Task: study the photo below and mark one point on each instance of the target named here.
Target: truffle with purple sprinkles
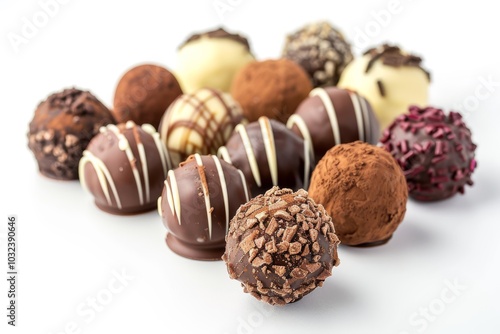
(435, 151)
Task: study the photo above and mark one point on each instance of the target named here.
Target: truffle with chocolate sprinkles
(434, 150)
(281, 246)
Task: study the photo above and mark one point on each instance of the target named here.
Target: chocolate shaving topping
(391, 55)
(218, 33)
(381, 88)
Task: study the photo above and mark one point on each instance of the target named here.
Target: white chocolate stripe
(103, 175)
(250, 154)
(366, 118)
(223, 153)
(124, 145)
(244, 182)
(223, 186)
(173, 195)
(307, 165)
(162, 151)
(270, 148)
(359, 116)
(206, 194)
(304, 131)
(144, 164)
(330, 109)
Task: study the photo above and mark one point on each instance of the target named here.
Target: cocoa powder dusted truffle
(124, 167)
(435, 151)
(144, 93)
(321, 50)
(281, 246)
(199, 122)
(61, 129)
(363, 189)
(269, 155)
(272, 88)
(331, 116)
(198, 200)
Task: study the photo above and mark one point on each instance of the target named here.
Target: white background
(69, 251)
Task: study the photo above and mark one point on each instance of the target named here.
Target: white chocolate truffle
(211, 60)
(390, 79)
(199, 122)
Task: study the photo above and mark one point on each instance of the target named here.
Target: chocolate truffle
(144, 93)
(321, 50)
(211, 59)
(199, 122)
(390, 79)
(269, 154)
(61, 129)
(124, 167)
(272, 88)
(281, 246)
(434, 150)
(198, 200)
(363, 189)
(331, 116)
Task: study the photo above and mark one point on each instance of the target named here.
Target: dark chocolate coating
(348, 118)
(295, 162)
(144, 93)
(127, 162)
(434, 150)
(196, 206)
(281, 246)
(61, 129)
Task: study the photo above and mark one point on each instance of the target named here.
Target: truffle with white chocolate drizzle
(124, 167)
(269, 154)
(199, 199)
(332, 116)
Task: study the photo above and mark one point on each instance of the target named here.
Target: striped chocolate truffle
(269, 154)
(199, 199)
(124, 167)
(332, 116)
(199, 122)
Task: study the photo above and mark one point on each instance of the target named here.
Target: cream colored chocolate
(199, 122)
(389, 88)
(210, 62)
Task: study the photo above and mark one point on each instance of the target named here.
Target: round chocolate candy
(144, 93)
(198, 200)
(321, 50)
(199, 122)
(61, 129)
(269, 154)
(281, 246)
(332, 116)
(124, 167)
(435, 151)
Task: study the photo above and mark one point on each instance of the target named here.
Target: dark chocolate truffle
(199, 122)
(434, 150)
(61, 129)
(144, 93)
(363, 189)
(272, 88)
(332, 116)
(269, 154)
(124, 167)
(198, 200)
(281, 246)
(321, 50)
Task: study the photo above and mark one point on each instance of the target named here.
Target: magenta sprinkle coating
(434, 150)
